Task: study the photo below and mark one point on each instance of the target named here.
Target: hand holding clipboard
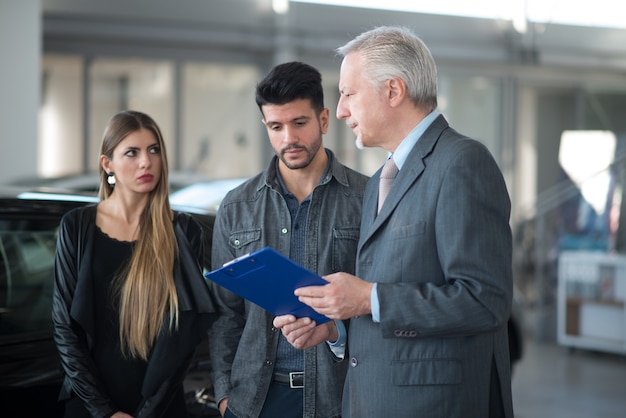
(268, 279)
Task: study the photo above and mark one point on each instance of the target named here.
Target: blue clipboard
(268, 279)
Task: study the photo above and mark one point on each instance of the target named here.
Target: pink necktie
(390, 170)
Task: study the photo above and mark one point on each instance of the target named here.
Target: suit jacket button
(354, 362)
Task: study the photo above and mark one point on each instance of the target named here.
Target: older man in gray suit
(432, 293)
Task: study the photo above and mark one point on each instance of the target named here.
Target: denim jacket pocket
(346, 232)
(241, 239)
(345, 241)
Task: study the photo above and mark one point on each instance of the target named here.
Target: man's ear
(324, 119)
(396, 90)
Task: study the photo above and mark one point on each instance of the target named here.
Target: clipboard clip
(234, 260)
(241, 266)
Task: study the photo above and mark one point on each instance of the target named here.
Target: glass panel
(26, 275)
(60, 149)
(472, 104)
(557, 213)
(137, 84)
(222, 130)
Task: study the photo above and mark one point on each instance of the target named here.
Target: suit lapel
(412, 169)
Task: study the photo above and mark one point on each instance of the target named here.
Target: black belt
(295, 380)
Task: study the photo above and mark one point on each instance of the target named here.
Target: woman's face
(136, 162)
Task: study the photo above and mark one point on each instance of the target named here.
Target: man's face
(295, 131)
(360, 104)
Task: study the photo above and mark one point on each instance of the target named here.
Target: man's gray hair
(388, 52)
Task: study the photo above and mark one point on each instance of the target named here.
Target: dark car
(30, 374)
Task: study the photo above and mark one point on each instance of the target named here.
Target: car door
(30, 374)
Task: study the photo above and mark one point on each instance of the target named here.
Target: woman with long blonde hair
(130, 302)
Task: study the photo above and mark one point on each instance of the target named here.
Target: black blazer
(73, 316)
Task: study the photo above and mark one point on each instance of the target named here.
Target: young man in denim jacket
(307, 206)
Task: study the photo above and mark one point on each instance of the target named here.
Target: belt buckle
(292, 380)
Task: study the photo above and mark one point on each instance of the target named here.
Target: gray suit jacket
(440, 251)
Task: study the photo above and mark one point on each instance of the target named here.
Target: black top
(75, 323)
(122, 377)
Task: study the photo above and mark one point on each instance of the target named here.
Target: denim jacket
(243, 341)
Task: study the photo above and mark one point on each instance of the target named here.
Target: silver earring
(111, 179)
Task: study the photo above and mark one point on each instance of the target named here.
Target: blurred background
(541, 82)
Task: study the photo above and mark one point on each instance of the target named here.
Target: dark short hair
(291, 81)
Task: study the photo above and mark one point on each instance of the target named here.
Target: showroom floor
(553, 381)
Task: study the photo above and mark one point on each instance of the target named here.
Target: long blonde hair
(146, 289)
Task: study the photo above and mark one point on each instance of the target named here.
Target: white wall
(20, 85)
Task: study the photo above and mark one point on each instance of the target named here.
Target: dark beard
(300, 165)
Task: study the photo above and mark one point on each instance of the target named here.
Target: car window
(26, 275)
